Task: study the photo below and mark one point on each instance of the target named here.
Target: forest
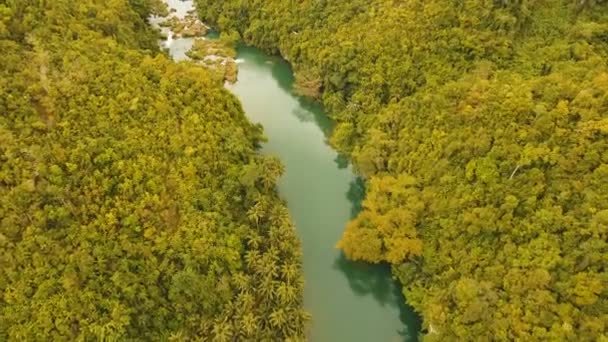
(134, 205)
(481, 128)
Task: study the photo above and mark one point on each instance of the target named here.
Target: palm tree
(177, 336)
(252, 259)
(278, 318)
(241, 281)
(249, 324)
(286, 293)
(276, 235)
(245, 299)
(222, 331)
(266, 288)
(268, 265)
(254, 214)
(289, 271)
(272, 255)
(254, 240)
(280, 216)
(272, 170)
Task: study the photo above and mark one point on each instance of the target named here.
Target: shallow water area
(177, 46)
(181, 7)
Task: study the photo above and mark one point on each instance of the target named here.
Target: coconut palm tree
(241, 281)
(286, 293)
(252, 259)
(249, 325)
(222, 331)
(254, 240)
(289, 271)
(266, 288)
(278, 318)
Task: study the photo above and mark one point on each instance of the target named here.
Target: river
(350, 302)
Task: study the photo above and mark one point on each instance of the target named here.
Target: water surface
(177, 47)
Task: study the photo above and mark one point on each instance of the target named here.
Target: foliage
(307, 85)
(481, 127)
(133, 202)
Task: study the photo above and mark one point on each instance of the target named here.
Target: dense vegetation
(133, 204)
(482, 129)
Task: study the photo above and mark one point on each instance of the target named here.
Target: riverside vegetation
(133, 202)
(482, 130)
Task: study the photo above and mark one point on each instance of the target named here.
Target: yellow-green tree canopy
(481, 127)
(127, 187)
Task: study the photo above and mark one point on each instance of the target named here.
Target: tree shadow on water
(342, 161)
(355, 195)
(375, 280)
(367, 279)
(412, 324)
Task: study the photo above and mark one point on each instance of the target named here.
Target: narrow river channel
(349, 302)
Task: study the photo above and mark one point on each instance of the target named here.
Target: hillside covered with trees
(133, 203)
(482, 130)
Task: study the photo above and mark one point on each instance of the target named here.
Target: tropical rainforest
(481, 128)
(134, 205)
